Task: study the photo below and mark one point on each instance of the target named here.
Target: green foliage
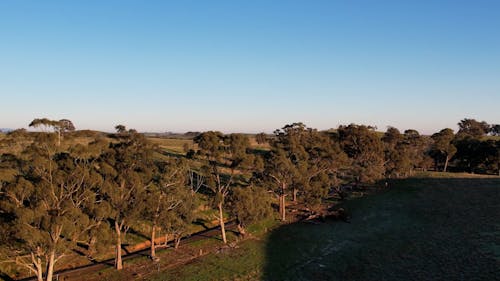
(366, 151)
(250, 204)
(230, 151)
(443, 149)
(473, 128)
(477, 156)
(47, 203)
(126, 168)
(85, 194)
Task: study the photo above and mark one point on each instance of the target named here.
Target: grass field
(421, 229)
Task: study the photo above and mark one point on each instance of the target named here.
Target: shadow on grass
(4, 276)
(418, 229)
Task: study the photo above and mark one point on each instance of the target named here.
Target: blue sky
(249, 66)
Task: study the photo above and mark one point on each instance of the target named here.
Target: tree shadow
(202, 223)
(415, 229)
(6, 277)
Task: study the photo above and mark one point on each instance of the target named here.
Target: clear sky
(249, 66)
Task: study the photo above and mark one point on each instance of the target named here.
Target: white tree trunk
(118, 257)
(50, 265)
(153, 246)
(221, 222)
(446, 163)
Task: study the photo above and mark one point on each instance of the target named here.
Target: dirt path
(80, 273)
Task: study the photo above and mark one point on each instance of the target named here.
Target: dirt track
(79, 273)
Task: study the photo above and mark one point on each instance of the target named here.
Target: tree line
(58, 194)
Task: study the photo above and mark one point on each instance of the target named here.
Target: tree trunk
(38, 265)
(153, 246)
(91, 250)
(221, 222)
(282, 207)
(295, 191)
(50, 265)
(118, 257)
(282, 201)
(166, 239)
(241, 230)
(446, 163)
(177, 241)
(58, 138)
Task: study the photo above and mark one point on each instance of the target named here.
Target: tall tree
(397, 153)
(46, 201)
(280, 171)
(126, 169)
(418, 148)
(473, 128)
(218, 151)
(320, 171)
(249, 204)
(365, 149)
(443, 147)
(291, 139)
(167, 193)
(60, 127)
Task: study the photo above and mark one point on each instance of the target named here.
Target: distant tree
(120, 129)
(397, 153)
(495, 130)
(366, 151)
(418, 148)
(186, 148)
(477, 156)
(473, 128)
(66, 125)
(261, 138)
(443, 147)
(60, 127)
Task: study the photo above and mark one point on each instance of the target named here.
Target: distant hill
(5, 130)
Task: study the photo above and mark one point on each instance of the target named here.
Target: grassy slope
(421, 229)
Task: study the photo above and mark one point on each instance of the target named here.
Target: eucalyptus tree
(397, 153)
(224, 155)
(167, 193)
(280, 171)
(59, 126)
(291, 140)
(443, 147)
(302, 160)
(473, 128)
(365, 149)
(121, 129)
(322, 167)
(126, 168)
(45, 201)
(249, 204)
(418, 147)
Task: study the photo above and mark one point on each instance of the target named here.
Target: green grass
(172, 145)
(427, 228)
